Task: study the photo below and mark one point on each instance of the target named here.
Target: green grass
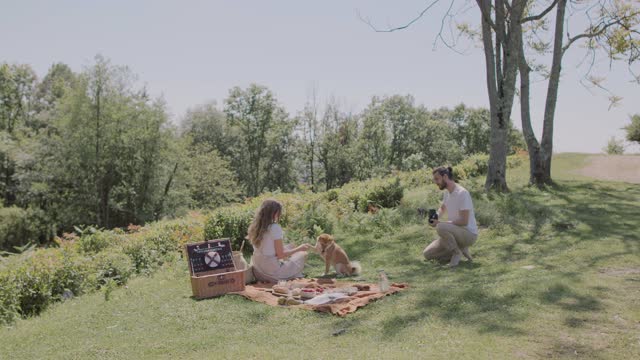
(556, 275)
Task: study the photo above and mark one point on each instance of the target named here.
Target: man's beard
(442, 186)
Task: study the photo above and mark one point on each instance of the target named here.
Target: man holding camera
(460, 231)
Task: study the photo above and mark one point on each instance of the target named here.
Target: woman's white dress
(267, 267)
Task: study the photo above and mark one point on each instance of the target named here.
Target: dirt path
(613, 167)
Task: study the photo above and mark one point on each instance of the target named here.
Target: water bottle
(383, 283)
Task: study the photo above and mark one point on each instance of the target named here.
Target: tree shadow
(574, 210)
(471, 306)
(563, 296)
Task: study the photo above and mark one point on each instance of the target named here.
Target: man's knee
(431, 252)
(428, 253)
(444, 228)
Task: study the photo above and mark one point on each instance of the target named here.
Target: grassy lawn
(556, 275)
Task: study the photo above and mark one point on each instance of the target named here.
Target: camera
(433, 215)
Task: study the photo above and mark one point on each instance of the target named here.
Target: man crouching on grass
(460, 231)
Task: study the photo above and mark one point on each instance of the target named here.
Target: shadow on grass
(471, 306)
(542, 223)
(555, 218)
(568, 299)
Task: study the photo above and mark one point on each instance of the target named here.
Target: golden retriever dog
(335, 256)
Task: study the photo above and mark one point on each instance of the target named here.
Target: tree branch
(366, 21)
(541, 15)
(486, 16)
(598, 30)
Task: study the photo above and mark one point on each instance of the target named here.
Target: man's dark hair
(444, 171)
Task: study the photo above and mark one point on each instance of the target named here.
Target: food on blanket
(292, 301)
(282, 301)
(308, 293)
(296, 292)
(280, 289)
(347, 290)
(315, 287)
(362, 287)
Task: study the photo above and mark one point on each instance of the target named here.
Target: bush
(34, 282)
(332, 195)
(14, 228)
(514, 161)
(614, 147)
(377, 224)
(160, 242)
(415, 178)
(473, 166)
(112, 266)
(314, 219)
(19, 227)
(9, 301)
(229, 222)
(385, 193)
(94, 242)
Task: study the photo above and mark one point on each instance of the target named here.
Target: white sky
(190, 52)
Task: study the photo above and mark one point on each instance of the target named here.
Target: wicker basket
(217, 284)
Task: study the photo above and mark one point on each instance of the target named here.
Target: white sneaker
(455, 259)
(466, 253)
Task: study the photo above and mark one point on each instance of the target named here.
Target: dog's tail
(356, 268)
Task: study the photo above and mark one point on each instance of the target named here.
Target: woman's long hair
(261, 221)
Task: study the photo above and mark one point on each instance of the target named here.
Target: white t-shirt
(460, 199)
(273, 233)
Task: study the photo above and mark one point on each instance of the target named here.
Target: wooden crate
(217, 279)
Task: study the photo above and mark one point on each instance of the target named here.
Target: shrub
(386, 193)
(473, 166)
(229, 222)
(9, 301)
(112, 266)
(14, 227)
(614, 147)
(94, 242)
(314, 219)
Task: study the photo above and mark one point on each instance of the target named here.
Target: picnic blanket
(341, 307)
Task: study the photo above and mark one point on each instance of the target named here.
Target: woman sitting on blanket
(272, 260)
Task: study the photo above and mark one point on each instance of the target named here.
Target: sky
(192, 52)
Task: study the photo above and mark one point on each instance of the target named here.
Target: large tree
(611, 29)
(111, 158)
(611, 26)
(16, 102)
(255, 113)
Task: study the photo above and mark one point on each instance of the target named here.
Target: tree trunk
(160, 207)
(313, 185)
(539, 172)
(502, 65)
(540, 154)
(99, 180)
(552, 95)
